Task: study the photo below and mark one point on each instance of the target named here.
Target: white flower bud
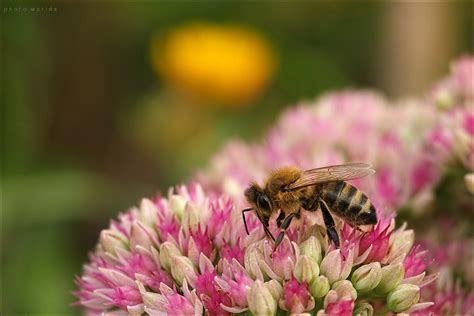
(275, 288)
(312, 248)
(319, 287)
(403, 297)
(306, 269)
(177, 204)
(111, 239)
(335, 267)
(251, 261)
(167, 251)
(392, 275)
(148, 213)
(182, 268)
(142, 236)
(367, 277)
(190, 217)
(363, 309)
(345, 290)
(260, 300)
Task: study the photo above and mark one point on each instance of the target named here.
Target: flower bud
(136, 310)
(251, 261)
(149, 298)
(319, 287)
(142, 236)
(306, 269)
(275, 288)
(469, 181)
(111, 238)
(335, 267)
(392, 275)
(182, 268)
(363, 309)
(260, 300)
(148, 213)
(116, 277)
(402, 237)
(190, 217)
(403, 297)
(312, 248)
(167, 251)
(401, 242)
(367, 277)
(177, 204)
(345, 290)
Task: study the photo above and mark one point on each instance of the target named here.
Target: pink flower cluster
(340, 127)
(188, 253)
(453, 136)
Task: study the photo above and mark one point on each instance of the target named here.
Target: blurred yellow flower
(229, 65)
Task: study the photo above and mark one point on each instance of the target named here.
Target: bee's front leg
(284, 226)
(280, 218)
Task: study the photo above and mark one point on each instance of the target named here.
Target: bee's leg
(329, 222)
(280, 218)
(268, 232)
(286, 223)
(244, 219)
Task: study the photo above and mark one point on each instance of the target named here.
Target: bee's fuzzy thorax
(281, 178)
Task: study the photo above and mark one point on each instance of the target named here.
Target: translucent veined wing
(343, 172)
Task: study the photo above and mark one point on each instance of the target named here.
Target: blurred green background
(90, 124)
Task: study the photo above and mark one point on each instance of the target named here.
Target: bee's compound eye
(263, 202)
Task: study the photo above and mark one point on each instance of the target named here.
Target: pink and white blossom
(210, 265)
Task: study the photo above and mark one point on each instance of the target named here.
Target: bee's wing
(332, 173)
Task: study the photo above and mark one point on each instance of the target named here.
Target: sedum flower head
(452, 138)
(188, 252)
(343, 135)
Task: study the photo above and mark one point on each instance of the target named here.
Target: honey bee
(291, 190)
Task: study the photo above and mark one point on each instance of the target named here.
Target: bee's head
(260, 201)
(262, 205)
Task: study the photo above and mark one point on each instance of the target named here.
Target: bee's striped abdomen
(349, 203)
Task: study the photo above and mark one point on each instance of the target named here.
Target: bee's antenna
(243, 217)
